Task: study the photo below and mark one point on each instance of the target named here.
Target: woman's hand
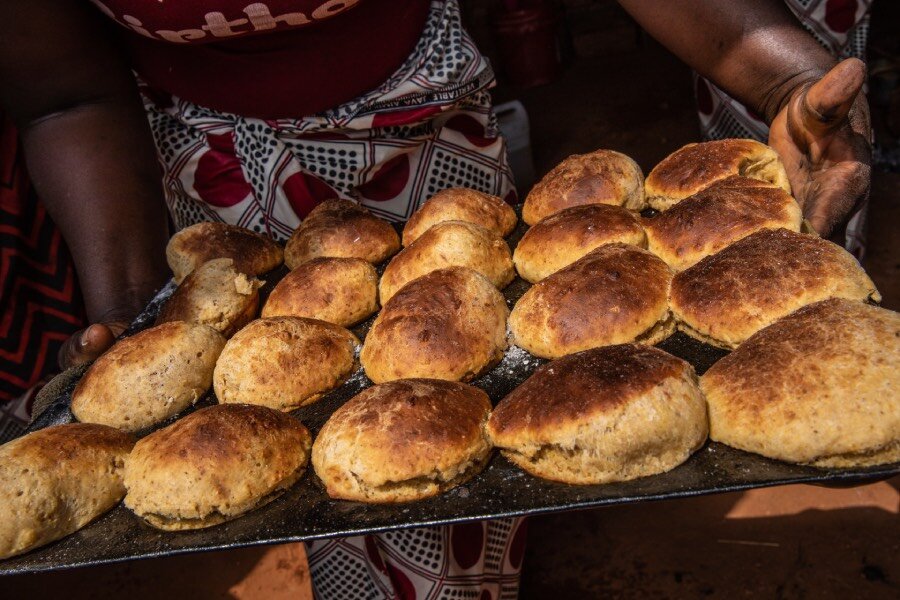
(823, 136)
(89, 343)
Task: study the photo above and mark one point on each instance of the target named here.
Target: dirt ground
(788, 542)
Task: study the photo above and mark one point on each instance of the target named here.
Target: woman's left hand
(823, 136)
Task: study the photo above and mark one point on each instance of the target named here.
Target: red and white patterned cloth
(842, 27)
(427, 128)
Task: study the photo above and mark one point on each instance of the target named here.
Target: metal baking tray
(305, 512)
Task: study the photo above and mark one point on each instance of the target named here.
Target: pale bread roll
(564, 237)
(599, 177)
(284, 362)
(697, 166)
(449, 244)
(817, 387)
(214, 294)
(602, 415)
(727, 297)
(342, 229)
(56, 481)
(343, 291)
(403, 440)
(721, 214)
(251, 252)
(461, 204)
(613, 295)
(449, 324)
(215, 465)
(148, 377)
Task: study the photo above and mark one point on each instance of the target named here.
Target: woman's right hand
(86, 345)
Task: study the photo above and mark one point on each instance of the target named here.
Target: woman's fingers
(826, 103)
(89, 343)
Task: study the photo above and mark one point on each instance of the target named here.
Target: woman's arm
(756, 51)
(89, 153)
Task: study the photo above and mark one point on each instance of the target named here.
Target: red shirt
(272, 59)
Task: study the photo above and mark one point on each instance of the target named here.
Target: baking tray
(305, 512)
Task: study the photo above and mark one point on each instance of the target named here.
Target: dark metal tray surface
(305, 512)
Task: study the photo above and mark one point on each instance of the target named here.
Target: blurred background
(575, 76)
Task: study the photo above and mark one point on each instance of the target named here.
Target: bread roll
(214, 465)
(564, 237)
(449, 244)
(818, 387)
(461, 204)
(148, 377)
(56, 481)
(342, 229)
(727, 297)
(697, 166)
(600, 177)
(720, 215)
(402, 441)
(449, 324)
(284, 362)
(613, 295)
(343, 291)
(214, 294)
(252, 253)
(602, 415)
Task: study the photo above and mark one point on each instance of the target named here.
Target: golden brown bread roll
(697, 166)
(818, 387)
(599, 177)
(215, 465)
(449, 324)
(251, 252)
(564, 237)
(727, 297)
(615, 294)
(214, 294)
(342, 229)
(343, 291)
(148, 377)
(461, 204)
(403, 440)
(449, 244)
(56, 481)
(721, 214)
(284, 362)
(602, 415)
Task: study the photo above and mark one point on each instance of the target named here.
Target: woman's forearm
(753, 49)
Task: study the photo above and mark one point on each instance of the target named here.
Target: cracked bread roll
(343, 291)
(819, 387)
(599, 177)
(403, 440)
(602, 415)
(613, 295)
(214, 294)
(342, 229)
(564, 237)
(284, 362)
(148, 377)
(215, 465)
(252, 253)
(697, 166)
(449, 324)
(449, 244)
(722, 214)
(57, 480)
(461, 204)
(727, 297)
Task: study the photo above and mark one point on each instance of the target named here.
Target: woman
(257, 111)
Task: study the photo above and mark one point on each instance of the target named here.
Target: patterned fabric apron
(428, 127)
(842, 27)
